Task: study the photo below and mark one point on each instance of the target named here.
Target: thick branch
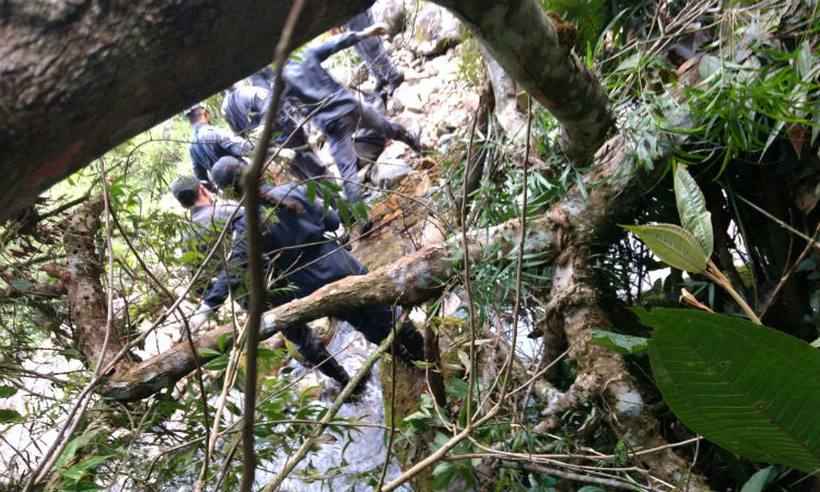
(86, 296)
(536, 52)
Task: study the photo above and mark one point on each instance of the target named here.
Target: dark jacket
(295, 246)
(244, 107)
(310, 84)
(209, 143)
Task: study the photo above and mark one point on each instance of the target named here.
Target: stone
(387, 174)
(436, 30)
(391, 12)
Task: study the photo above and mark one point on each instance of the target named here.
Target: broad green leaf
(623, 344)
(207, 353)
(223, 342)
(217, 364)
(673, 245)
(78, 471)
(75, 445)
(7, 391)
(759, 481)
(750, 389)
(8, 416)
(692, 210)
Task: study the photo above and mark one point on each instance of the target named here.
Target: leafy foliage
(748, 388)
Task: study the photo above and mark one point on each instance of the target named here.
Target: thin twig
(773, 296)
(467, 285)
(812, 242)
(255, 267)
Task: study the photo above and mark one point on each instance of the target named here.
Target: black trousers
(371, 50)
(343, 149)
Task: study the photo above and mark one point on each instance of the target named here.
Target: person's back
(298, 244)
(310, 84)
(209, 143)
(244, 107)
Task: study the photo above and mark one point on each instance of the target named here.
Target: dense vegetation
(718, 107)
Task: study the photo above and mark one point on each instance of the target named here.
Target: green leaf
(78, 471)
(217, 364)
(7, 391)
(443, 474)
(207, 353)
(591, 488)
(223, 341)
(673, 245)
(623, 344)
(75, 445)
(692, 210)
(8, 416)
(759, 481)
(750, 389)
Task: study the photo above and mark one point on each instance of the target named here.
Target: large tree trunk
(77, 78)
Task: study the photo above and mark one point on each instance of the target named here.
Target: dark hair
(227, 172)
(195, 113)
(185, 190)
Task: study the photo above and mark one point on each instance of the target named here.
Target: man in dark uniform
(372, 52)
(194, 196)
(209, 143)
(244, 108)
(340, 112)
(305, 260)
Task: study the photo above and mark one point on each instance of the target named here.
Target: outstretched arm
(344, 41)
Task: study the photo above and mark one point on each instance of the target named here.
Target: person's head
(196, 114)
(227, 174)
(263, 78)
(189, 191)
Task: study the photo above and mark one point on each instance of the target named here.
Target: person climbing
(244, 108)
(206, 214)
(209, 143)
(338, 113)
(305, 260)
(375, 57)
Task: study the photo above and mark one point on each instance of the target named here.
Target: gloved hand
(200, 317)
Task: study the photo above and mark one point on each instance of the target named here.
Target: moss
(470, 62)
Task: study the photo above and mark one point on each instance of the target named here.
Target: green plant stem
(714, 274)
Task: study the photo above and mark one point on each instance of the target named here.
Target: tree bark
(78, 78)
(536, 52)
(86, 296)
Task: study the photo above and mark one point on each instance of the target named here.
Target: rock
(387, 174)
(411, 97)
(436, 30)
(390, 12)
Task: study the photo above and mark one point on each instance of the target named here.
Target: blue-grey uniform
(209, 143)
(313, 351)
(371, 50)
(305, 260)
(337, 112)
(244, 108)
